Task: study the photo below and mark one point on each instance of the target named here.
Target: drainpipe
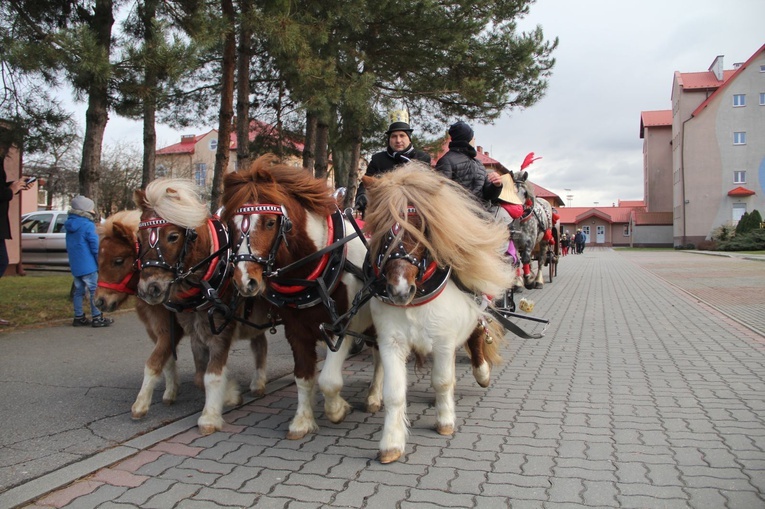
(682, 175)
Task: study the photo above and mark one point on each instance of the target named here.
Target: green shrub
(752, 241)
(723, 232)
(749, 222)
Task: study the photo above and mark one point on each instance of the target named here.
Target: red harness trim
(192, 292)
(123, 286)
(317, 272)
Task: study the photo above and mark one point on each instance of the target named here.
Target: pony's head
(172, 217)
(267, 208)
(117, 270)
(523, 187)
(437, 220)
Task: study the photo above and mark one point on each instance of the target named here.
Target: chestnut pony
(439, 255)
(183, 258)
(280, 215)
(117, 280)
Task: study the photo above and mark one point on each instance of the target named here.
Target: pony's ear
(139, 198)
(120, 230)
(369, 182)
(524, 176)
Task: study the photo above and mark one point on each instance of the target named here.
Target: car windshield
(36, 223)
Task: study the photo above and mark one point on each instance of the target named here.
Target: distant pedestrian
(7, 192)
(82, 248)
(564, 242)
(579, 239)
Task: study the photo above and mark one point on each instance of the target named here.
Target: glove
(361, 202)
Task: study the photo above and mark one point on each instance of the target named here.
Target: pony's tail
(491, 351)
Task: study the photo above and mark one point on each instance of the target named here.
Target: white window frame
(213, 144)
(200, 174)
(762, 98)
(739, 177)
(739, 138)
(737, 207)
(739, 100)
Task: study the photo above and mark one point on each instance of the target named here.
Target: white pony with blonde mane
(457, 233)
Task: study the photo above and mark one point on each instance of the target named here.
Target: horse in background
(183, 254)
(533, 233)
(440, 258)
(281, 216)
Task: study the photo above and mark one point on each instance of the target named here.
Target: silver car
(43, 238)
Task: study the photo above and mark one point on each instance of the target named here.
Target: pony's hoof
(137, 416)
(539, 286)
(296, 435)
(207, 429)
(374, 407)
(389, 456)
(339, 415)
(518, 289)
(445, 429)
(258, 393)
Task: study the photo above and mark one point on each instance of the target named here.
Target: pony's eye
(270, 223)
(173, 237)
(119, 261)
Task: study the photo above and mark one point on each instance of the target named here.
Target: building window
(626, 230)
(739, 138)
(762, 98)
(739, 100)
(200, 174)
(739, 177)
(214, 144)
(161, 171)
(762, 68)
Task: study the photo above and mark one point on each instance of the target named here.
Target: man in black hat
(399, 151)
(460, 165)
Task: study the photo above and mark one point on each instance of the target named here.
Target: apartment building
(717, 147)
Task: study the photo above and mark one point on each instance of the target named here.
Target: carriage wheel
(552, 264)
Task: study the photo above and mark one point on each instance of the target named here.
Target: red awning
(741, 191)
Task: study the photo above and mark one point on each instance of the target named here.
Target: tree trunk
(98, 104)
(353, 166)
(243, 90)
(322, 147)
(148, 14)
(309, 147)
(226, 104)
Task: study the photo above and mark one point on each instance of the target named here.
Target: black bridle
(285, 226)
(393, 249)
(154, 225)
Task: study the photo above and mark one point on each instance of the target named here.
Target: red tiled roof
(541, 192)
(631, 203)
(574, 215)
(701, 80)
(185, 146)
(658, 118)
(258, 128)
(741, 191)
(728, 77)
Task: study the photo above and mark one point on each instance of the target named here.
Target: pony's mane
(177, 202)
(455, 228)
(128, 218)
(267, 181)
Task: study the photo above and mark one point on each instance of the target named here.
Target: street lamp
(569, 196)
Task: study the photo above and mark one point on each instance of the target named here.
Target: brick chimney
(188, 138)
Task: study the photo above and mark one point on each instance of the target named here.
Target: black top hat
(399, 126)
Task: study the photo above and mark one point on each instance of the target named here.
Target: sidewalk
(641, 394)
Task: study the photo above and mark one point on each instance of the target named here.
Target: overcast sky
(615, 59)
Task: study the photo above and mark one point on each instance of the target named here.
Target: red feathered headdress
(529, 159)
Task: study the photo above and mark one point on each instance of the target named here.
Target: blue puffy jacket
(81, 244)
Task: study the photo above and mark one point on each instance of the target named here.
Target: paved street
(647, 391)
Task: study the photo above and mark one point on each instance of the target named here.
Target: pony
(439, 255)
(292, 248)
(118, 280)
(533, 233)
(183, 260)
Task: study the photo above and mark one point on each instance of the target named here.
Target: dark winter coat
(81, 243)
(383, 162)
(461, 166)
(6, 195)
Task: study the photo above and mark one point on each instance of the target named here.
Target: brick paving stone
(641, 394)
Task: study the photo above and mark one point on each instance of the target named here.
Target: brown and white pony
(181, 248)
(118, 280)
(279, 215)
(435, 250)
